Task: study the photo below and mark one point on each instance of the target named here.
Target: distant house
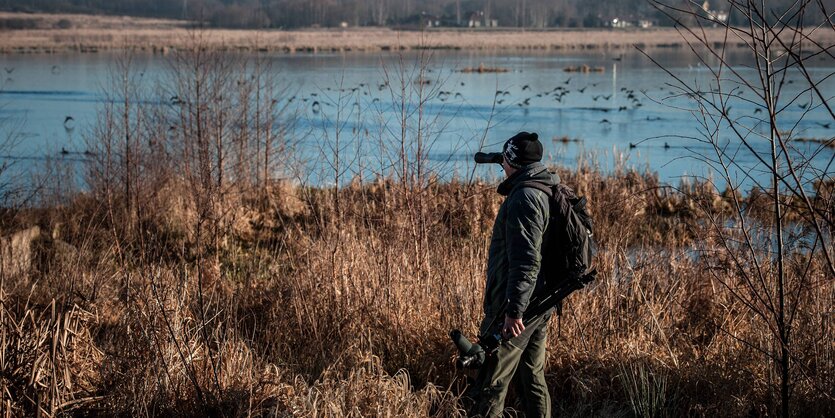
(477, 20)
(620, 23)
(420, 20)
(717, 16)
(429, 21)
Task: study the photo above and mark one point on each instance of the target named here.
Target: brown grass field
(99, 33)
(310, 310)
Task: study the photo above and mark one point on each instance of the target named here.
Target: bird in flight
(69, 123)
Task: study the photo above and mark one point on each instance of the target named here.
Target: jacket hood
(531, 172)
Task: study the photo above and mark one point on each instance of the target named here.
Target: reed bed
(98, 33)
(313, 310)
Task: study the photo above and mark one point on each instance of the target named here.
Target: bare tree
(773, 249)
(115, 146)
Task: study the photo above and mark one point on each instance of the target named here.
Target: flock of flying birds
(502, 97)
(559, 92)
(630, 99)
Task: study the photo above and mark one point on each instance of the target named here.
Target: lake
(625, 115)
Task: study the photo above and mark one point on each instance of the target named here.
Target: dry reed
(313, 313)
(98, 33)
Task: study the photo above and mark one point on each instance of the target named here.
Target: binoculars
(470, 355)
(489, 158)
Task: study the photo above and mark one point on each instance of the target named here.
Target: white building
(620, 23)
(715, 15)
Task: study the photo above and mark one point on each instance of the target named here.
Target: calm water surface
(626, 113)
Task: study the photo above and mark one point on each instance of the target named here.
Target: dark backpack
(568, 246)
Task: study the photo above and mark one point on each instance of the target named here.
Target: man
(513, 267)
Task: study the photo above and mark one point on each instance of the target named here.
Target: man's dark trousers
(523, 355)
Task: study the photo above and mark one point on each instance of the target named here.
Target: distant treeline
(395, 13)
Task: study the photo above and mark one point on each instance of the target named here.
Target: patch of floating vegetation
(584, 69)
(828, 142)
(566, 140)
(483, 69)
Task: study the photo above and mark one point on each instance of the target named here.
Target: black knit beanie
(522, 149)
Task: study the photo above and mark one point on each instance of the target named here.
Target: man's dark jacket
(514, 258)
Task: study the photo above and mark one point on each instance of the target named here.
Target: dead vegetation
(481, 69)
(309, 310)
(55, 33)
(828, 142)
(585, 68)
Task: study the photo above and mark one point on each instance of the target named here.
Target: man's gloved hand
(512, 327)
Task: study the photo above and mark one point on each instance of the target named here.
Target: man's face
(508, 170)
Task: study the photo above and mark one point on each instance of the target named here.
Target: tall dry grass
(314, 314)
(98, 33)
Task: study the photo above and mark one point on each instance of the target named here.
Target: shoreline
(328, 41)
(91, 34)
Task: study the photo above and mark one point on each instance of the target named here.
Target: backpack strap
(558, 206)
(548, 190)
(556, 196)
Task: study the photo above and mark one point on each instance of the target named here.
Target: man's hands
(512, 327)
